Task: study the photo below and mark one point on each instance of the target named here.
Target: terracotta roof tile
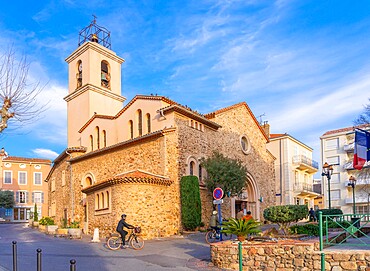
(24, 159)
(277, 135)
(347, 129)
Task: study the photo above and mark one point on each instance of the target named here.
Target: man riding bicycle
(121, 224)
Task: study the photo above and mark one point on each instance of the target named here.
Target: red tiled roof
(347, 129)
(131, 177)
(213, 114)
(24, 159)
(277, 135)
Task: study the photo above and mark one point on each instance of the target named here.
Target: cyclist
(120, 228)
(213, 223)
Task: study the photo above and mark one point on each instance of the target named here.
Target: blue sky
(303, 65)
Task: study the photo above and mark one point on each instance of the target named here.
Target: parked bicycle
(134, 240)
(214, 235)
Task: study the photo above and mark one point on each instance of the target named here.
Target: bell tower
(94, 76)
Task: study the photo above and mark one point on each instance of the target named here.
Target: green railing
(351, 229)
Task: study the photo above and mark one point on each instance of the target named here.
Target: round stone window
(245, 144)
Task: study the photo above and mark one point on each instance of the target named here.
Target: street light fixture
(327, 170)
(352, 183)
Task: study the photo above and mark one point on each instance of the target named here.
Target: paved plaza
(188, 252)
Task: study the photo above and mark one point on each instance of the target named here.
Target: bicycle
(134, 240)
(214, 235)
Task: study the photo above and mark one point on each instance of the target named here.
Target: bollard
(240, 256)
(38, 259)
(96, 236)
(73, 265)
(14, 255)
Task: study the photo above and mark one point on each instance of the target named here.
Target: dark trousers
(123, 235)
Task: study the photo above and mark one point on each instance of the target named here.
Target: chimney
(266, 128)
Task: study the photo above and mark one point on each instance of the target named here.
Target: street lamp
(327, 170)
(352, 183)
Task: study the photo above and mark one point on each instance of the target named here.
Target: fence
(39, 258)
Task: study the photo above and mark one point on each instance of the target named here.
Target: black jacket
(122, 223)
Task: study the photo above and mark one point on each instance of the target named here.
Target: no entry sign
(218, 193)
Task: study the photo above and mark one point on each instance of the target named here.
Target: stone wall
(287, 256)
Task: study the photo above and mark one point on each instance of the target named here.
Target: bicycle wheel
(114, 243)
(211, 237)
(137, 242)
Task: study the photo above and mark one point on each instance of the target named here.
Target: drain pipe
(71, 187)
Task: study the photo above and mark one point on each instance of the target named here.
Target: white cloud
(45, 153)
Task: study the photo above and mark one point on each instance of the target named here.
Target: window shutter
(42, 197)
(33, 197)
(17, 196)
(26, 197)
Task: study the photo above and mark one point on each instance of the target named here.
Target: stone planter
(42, 228)
(241, 238)
(75, 233)
(63, 232)
(35, 224)
(51, 229)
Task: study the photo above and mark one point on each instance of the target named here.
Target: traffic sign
(218, 201)
(218, 193)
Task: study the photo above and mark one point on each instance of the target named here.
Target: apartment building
(337, 149)
(25, 177)
(294, 170)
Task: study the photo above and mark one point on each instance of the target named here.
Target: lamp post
(352, 183)
(327, 170)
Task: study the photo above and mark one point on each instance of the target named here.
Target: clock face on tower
(80, 67)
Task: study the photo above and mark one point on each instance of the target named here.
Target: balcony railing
(349, 147)
(303, 187)
(305, 163)
(348, 165)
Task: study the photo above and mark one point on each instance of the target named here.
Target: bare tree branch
(18, 97)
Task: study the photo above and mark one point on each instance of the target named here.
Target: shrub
(191, 208)
(74, 225)
(35, 214)
(309, 229)
(241, 227)
(46, 220)
(329, 212)
(284, 215)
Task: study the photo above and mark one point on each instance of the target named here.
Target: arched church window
(105, 75)
(97, 206)
(192, 166)
(79, 74)
(131, 126)
(104, 138)
(140, 122)
(97, 137)
(102, 200)
(148, 124)
(107, 199)
(200, 174)
(91, 142)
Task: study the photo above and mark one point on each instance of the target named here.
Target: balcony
(349, 147)
(306, 164)
(304, 189)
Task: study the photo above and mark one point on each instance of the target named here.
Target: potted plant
(74, 229)
(49, 224)
(35, 222)
(241, 228)
(63, 231)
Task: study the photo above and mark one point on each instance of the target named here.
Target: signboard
(218, 201)
(218, 193)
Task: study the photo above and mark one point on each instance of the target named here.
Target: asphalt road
(175, 253)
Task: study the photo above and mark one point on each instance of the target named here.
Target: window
(131, 126)
(104, 138)
(334, 160)
(245, 144)
(8, 177)
(335, 178)
(21, 196)
(91, 142)
(140, 122)
(105, 75)
(192, 166)
(296, 177)
(335, 194)
(331, 144)
(53, 185)
(102, 202)
(37, 197)
(22, 178)
(37, 177)
(148, 124)
(97, 137)
(79, 73)
(8, 212)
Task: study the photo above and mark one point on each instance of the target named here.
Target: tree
(224, 172)
(7, 199)
(191, 206)
(364, 118)
(17, 96)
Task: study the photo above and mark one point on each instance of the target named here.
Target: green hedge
(46, 221)
(309, 229)
(191, 208)
(329, 212)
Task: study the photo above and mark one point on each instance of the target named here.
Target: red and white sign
(218, 193)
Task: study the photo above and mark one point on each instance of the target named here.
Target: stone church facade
(130, 159)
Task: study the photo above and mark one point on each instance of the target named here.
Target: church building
(129, 158)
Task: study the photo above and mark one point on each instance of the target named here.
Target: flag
(362, 149)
